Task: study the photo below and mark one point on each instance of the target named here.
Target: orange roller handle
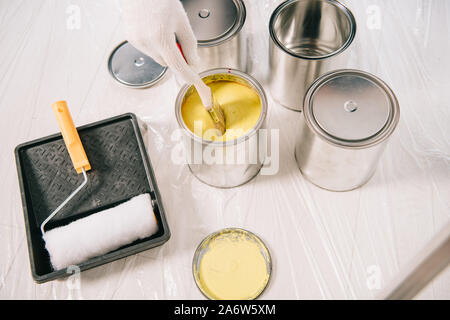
(71, 137)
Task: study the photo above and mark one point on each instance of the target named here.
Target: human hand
(154, 27)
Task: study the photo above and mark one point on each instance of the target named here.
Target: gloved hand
(154, 26)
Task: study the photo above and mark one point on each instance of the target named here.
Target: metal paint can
(248, 150)
(217, 24)
(347, 120)
(308, 38)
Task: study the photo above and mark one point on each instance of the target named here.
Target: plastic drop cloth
(324, 245)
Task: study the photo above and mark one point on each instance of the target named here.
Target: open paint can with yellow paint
(236, 157)
(232, 264)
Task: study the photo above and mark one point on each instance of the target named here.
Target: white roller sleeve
(101, 232)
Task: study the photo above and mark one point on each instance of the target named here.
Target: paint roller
(101, 232)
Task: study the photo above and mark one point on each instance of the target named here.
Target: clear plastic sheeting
(324, 245)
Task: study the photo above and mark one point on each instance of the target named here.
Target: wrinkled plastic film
(324, 245)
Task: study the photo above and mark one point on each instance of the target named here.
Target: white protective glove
(154, 26)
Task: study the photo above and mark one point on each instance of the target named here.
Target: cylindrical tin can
(308, 38)
(348, 116)
(236, 161)
(217, 24)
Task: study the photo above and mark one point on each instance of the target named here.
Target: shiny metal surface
(67, 200)
(225, 174)
(308, 38)
(211, 19)
(217, 24)
(132, 68)
(345, 118)
(343, 155)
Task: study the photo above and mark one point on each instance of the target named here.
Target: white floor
(324, 245)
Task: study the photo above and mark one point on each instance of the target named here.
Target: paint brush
(209, 102)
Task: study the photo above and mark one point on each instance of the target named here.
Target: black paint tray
(120, 171)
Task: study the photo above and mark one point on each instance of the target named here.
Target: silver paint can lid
(134, 69)
(215, 21)
(351, 108)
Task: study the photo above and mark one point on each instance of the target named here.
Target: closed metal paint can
(347, 120)
(308, 38)
(234, 162)
(217, 24)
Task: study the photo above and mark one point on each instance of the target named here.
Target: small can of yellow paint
(232, 264)
(237, 158)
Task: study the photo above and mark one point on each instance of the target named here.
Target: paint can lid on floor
(134, 69)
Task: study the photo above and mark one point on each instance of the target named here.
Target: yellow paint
(233, 267)
(241, 105)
